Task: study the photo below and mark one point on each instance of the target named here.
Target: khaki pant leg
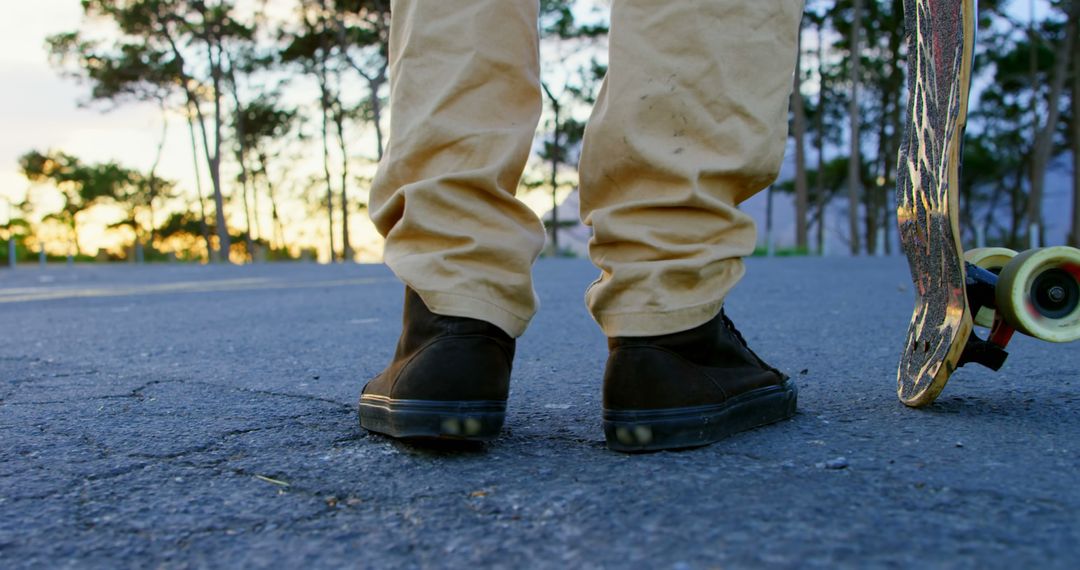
(691, 120)
(464, 103)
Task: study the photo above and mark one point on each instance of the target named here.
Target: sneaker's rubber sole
(675, 428)
(469, 420)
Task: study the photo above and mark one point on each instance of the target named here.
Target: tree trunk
(199, 190)
(769, 221)
(555, 204)
(893, 151)
(152, 182)
(326, 173)
(1043, 146)
(137, 255)
(876, 223)
(799, 129)
(376, 114)
(1016, 204)
(896, 86)
(339, 118)
(854, 162)
(1074, 232)
(279, 228)
(1033, 66)
(325, 100)
(346, 245)
(215, 162)
(256, 206)
(819, 185)
(374, 80)
(75, 234)
(245, 184)
(12, 254)
(241, 159)
(991, 211)
(556, 152)
(379, 81)
(213, 159)
(870, 218)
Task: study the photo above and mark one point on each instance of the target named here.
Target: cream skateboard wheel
(992, 259)
(1038, 293)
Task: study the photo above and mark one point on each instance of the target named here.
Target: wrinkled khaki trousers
(691, 120)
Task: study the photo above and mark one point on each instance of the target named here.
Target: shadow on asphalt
(974, 406)
(433, 447)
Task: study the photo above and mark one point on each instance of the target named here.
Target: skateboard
(1036, 292)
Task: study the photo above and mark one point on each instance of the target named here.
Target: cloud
(26, 25)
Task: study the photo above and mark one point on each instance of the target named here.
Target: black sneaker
(689, 389)
(449, 379)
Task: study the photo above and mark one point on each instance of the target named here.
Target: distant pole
(10, 236)
(1034, 194)
(854, 162)
(769, 250)
(555, 187)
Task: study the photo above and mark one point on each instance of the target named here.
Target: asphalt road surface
(184, 416)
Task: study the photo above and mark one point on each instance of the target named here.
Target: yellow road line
(21, 291)
(21, 296)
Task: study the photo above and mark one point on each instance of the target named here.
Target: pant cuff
(658, 323)
(455, 305)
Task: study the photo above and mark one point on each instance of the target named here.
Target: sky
(37, 108)
(40, 110)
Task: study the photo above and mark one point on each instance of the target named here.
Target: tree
(175, 34)
(821, 199)
(313, 48)
(265, 123)
(1074, 230)
(181, 232)
(1043, 145)
(363, 30)
(80, 185)
(883, 86)
(1006, 121)
(854, 185)
(136, 193)
(799, 133)
(128, 71)
(568, 91)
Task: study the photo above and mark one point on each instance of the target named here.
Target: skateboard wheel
(992, 259)
(1038, 293)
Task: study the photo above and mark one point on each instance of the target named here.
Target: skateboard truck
(980, 284)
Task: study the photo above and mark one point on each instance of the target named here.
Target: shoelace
(730, 325)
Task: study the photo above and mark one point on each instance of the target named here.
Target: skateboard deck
(1036, 292)
(941, 41)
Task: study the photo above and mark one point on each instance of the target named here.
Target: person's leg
(691, 121)
(464, 105)
(465, 101)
